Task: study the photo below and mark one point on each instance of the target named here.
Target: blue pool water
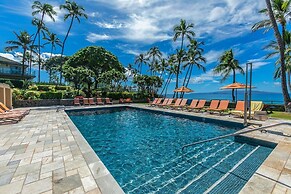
(142, 150)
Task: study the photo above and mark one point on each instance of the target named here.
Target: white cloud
(151, 21)
(92, 37)
(10, 56)
(277, 83)
(113, 25)
(213, 56)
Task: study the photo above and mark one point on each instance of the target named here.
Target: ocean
(266, 97)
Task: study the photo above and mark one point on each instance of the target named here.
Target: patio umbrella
(183, 89)
(235, 86)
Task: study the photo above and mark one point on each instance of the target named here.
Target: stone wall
(42, 102)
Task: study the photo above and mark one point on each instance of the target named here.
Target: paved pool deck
(46, 153)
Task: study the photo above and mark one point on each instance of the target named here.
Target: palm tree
(171, 70)
(182, 30)
(42, 29)
(278, 10)
(42, 9)
(155, 55)
(140, 60)
(162, 66)
(74, 12)
(274, 46)
(24, 41)
(53, 40)
(227, 65)
(194, 57)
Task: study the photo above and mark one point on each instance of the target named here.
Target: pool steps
(207, 174)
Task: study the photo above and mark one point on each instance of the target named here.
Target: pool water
(142, 150)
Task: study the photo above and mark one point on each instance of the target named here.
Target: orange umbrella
(235, 86)
(183, 89)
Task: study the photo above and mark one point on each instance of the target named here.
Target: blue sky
(130, 27)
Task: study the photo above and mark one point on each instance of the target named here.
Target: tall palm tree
(43, 10)
(140, 60)
(24, 41)
(194, 58)
(155, 55)
(182, 30)
(275, 51)
(277, 11)
(75, 11)
(42, 29)
(53, 40)
(171, 70)
(227, 65)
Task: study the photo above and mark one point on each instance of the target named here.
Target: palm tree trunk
(23, 66)
(184, 81)
(166, 83)
(63, 48)
(34, 39)
(282, 54)
(289, 80)
(39, 58)
(232, 91)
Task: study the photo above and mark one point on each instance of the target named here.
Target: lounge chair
(128, 100)
(182, 104)
(239, 108)
(6, 109)
(213, 105)
(91, 101)
(192, 104)
(153, 102)
(256, 106)
(168, 103)
(200, 105)
(86, 101)
(77, 101)
(223, 106)
(10, 117)
(177, 103)
(121, 100)
(99, 101)
(163, 103)
(107, 101)
(159, 101)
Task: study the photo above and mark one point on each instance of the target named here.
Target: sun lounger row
(8, 116)
(218, 106)
(90, 101)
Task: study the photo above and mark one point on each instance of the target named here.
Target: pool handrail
(234, 134)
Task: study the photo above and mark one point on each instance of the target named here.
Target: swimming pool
(142, 150)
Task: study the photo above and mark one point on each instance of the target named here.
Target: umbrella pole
(246, 97)
(250, 90)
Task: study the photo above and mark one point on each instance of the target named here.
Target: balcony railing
(15, 72)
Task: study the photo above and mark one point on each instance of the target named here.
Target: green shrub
(31, 95)
(51, 95)
(62, 87)
(127, 95)
(69, 93)
(15, 83)
(33, 87)
(17, 94)
(44, 87)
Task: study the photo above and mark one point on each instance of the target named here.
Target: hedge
(16, 83)
(51, 95)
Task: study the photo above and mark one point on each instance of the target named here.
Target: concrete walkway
(45, 153)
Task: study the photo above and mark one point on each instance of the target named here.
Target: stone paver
(46, 153)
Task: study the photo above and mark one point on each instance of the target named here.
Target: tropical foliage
(278, 11)
(228, 65)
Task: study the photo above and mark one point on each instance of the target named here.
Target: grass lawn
(281, 115)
